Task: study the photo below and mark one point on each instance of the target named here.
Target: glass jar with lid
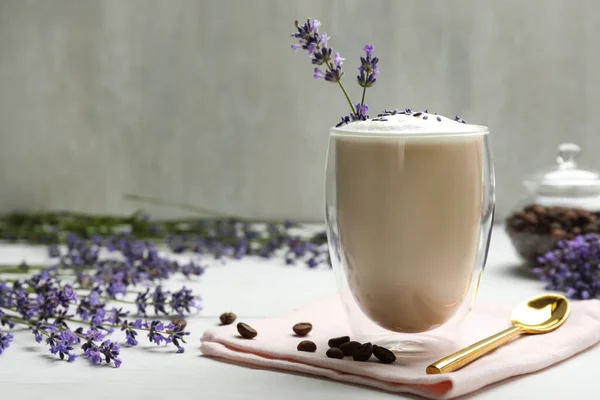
(562, 202)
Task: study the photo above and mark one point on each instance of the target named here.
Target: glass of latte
(409, 210)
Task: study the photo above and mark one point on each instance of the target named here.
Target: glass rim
(344, 132)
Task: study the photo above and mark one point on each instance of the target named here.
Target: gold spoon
(540, 314)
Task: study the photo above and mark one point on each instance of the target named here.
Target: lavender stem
(342, 87)
(362, 101)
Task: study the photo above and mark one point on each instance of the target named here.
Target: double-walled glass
(409, 220)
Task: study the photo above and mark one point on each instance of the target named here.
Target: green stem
(161, 202)
(362, 101)
(342, 87)
(19, 320)
(24, 269)
(192, 208)
(76, 321)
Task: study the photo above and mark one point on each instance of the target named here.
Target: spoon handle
(463, 357)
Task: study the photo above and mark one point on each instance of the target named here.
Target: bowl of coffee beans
(562, 202)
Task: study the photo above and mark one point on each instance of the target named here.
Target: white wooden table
(254, 289)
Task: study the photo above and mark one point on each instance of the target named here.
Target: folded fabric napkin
(275, 348)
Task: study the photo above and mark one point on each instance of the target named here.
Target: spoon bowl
(541, 314)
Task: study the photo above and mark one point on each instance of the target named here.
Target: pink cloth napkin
(275, 348)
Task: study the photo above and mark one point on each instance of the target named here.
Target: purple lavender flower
(130, 333)
(183, 300)
(62, 343)
(92, 353)
(334, 75)
(137, 323)
(176, 335)
(142, 301)
(360, 115)
(337, 60)
(111, 352)
(322, 56)
(315, 44)
(192, 268)
(5, 341)
(154, 335)
(307, 35)
(94, 334)
(368, 68)
(36, 334)
(345, 120)
(319, 73)
(573, 267)
(159, 300)
(115, 316)
(98, 317)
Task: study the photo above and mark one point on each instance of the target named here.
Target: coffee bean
(338, 341)
(384, 355)
(559, 234)
(582, 212)
(228, 318)
(576, 230)
(521, 215)
(555, 225)
(349, 347)
(571, 215)
(517, 224)
(363, 352)
(589, 228)
(307, 345)
(531, 218)
(538, 209)
(246, 331)
(334, 352)
(302, 328)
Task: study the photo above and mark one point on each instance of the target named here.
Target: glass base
(416, 347)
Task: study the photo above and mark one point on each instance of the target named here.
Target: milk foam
(400, 124)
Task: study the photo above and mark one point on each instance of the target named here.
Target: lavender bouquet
(105, 263)
(329, 68)
(67, 305)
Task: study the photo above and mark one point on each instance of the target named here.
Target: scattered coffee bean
(181, 322)
(348, 348)
(363, 352)
(338, 341)
(302, 328)
(307, 345)
(334, 352)
(246, 331)
(384, 355)
(228, 318)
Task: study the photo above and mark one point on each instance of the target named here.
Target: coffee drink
(409, 198)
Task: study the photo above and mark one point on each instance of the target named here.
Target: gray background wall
(203, 102)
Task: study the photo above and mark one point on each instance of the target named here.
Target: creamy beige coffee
(409, 204)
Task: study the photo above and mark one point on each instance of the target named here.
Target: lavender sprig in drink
(330, 68)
